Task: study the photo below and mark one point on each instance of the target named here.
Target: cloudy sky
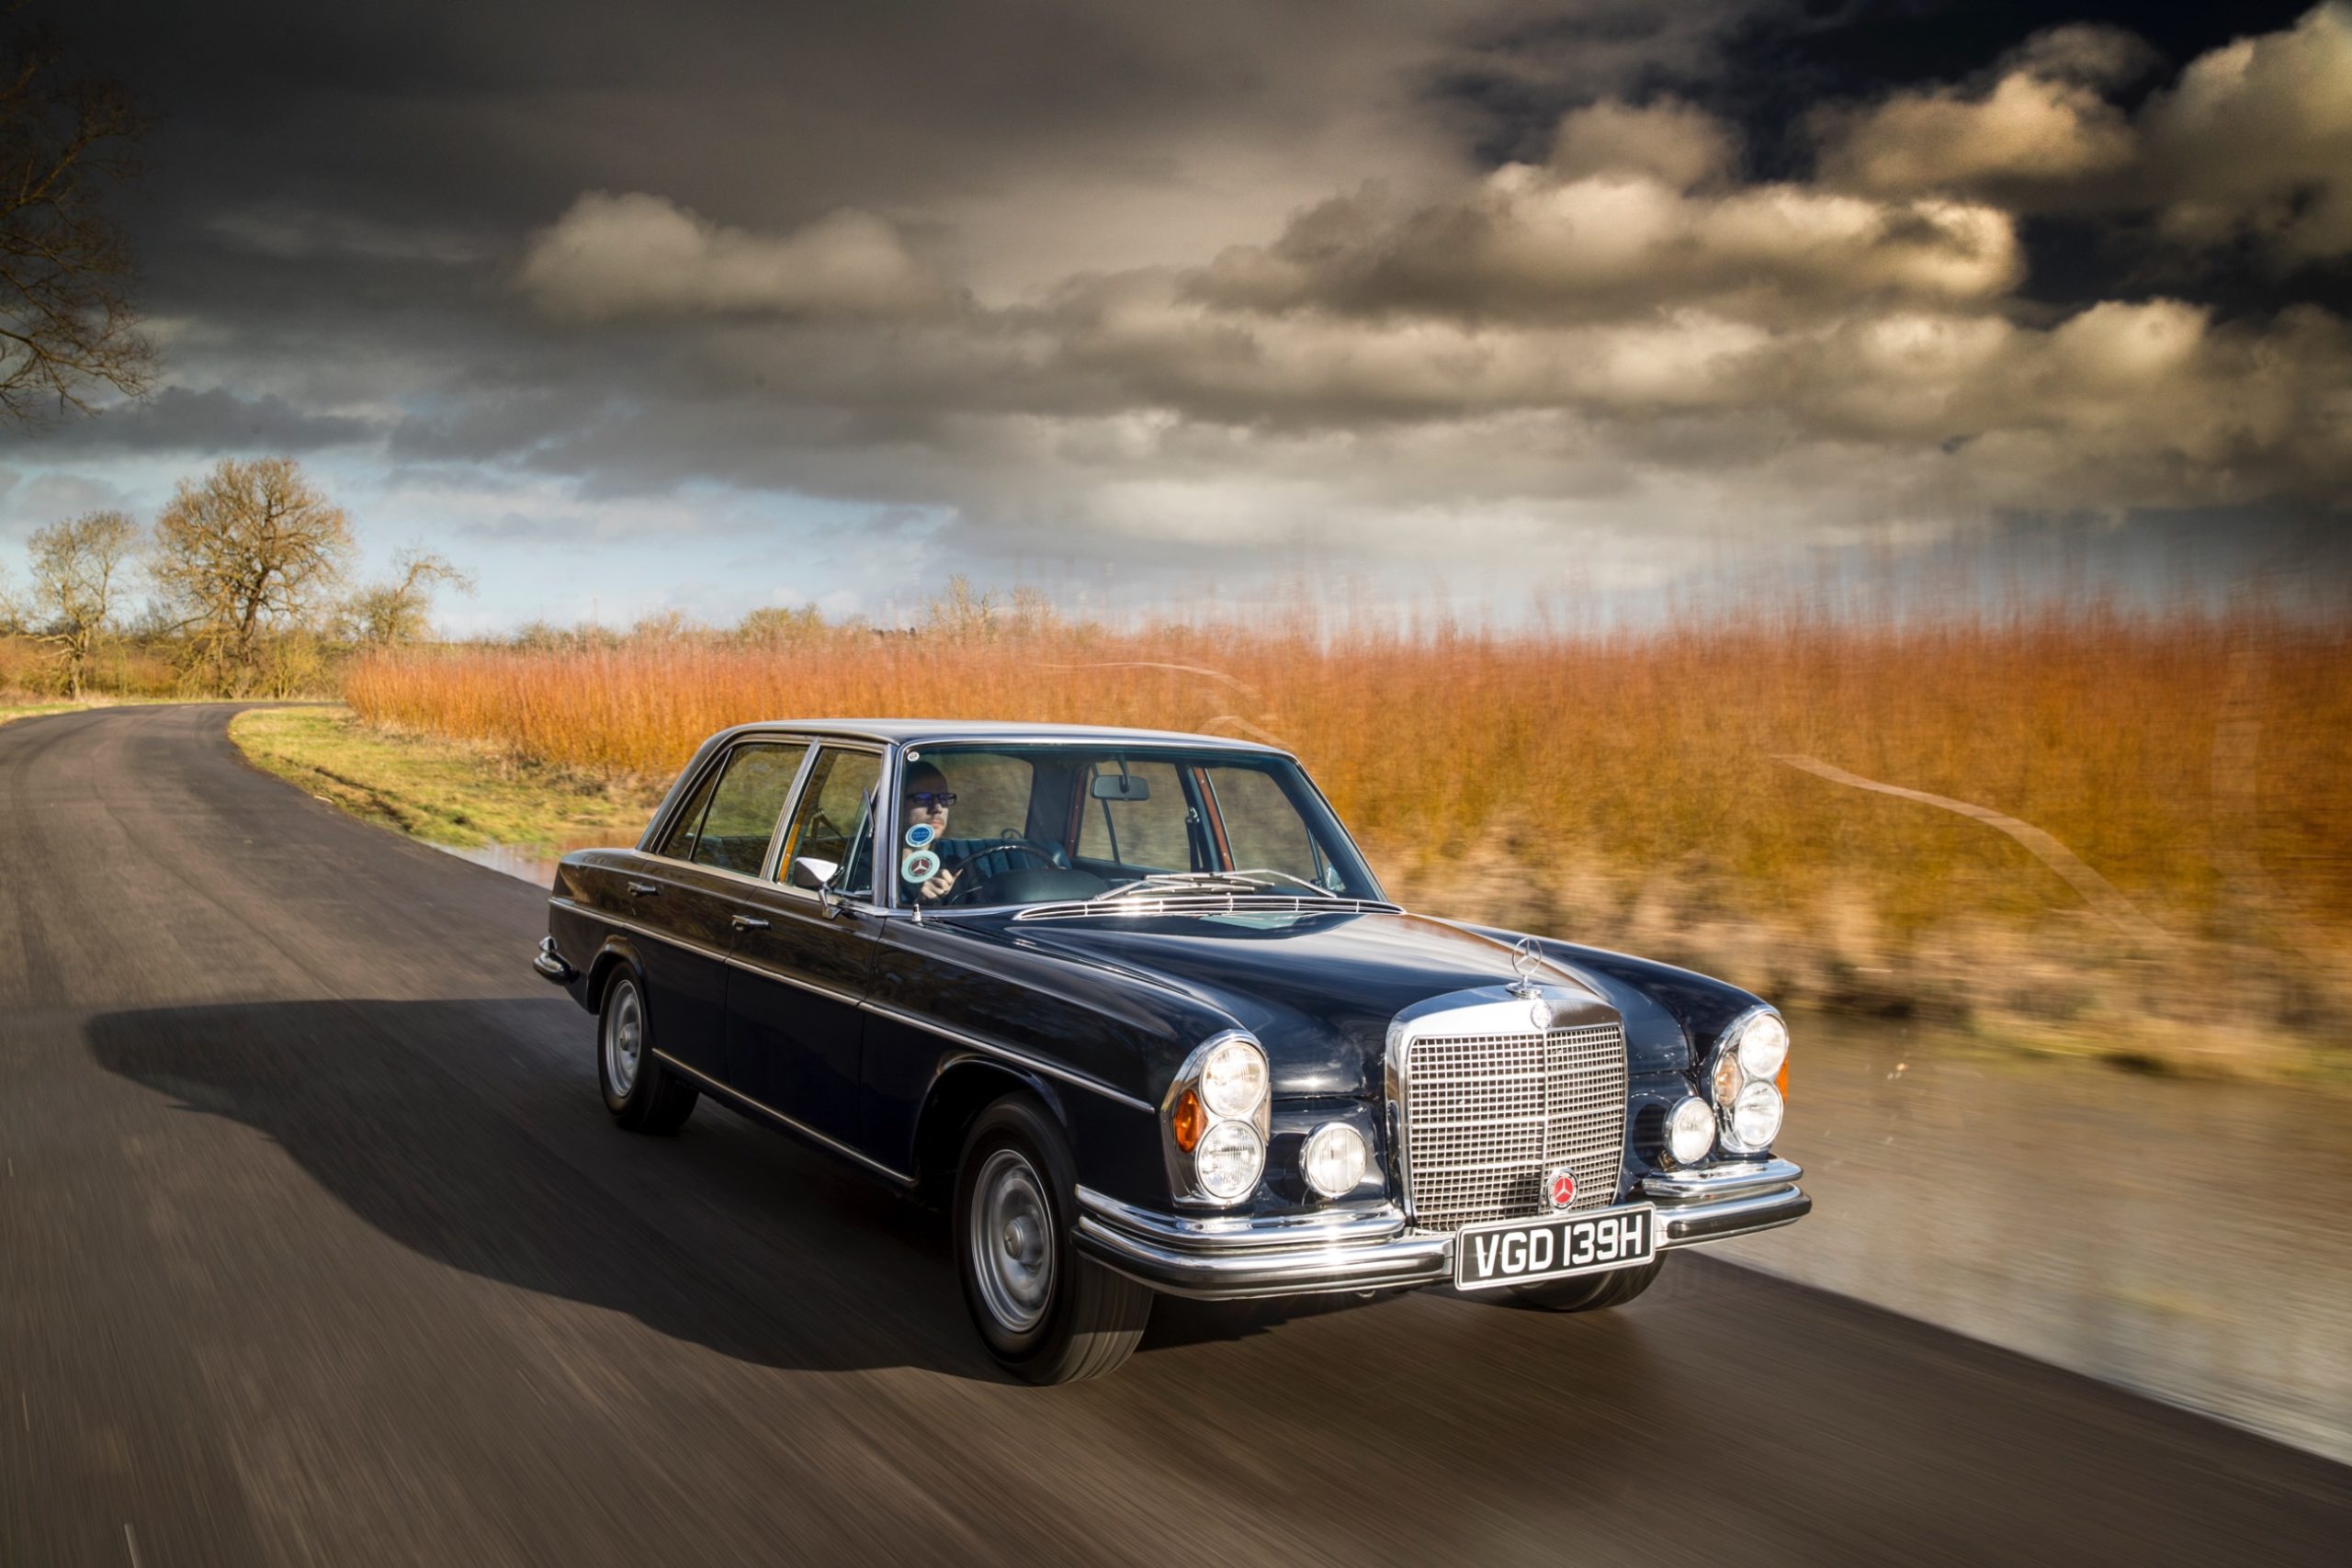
(711, 304)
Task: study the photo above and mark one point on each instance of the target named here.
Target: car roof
(919, 731)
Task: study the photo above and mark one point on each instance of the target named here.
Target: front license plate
(1516, 1252)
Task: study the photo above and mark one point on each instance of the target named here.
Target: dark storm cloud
(1146, 280)
(215, 421)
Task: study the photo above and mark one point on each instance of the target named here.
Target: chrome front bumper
(1224, 1257)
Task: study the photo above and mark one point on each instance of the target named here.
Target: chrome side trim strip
(715, 955)
(990, 1048)
(847, 998)
(740, 1098)
(972, 1042)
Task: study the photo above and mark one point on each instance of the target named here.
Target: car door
(794, 1033)
(691, 900)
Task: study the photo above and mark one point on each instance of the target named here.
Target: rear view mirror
(1121, 787)
(808, 872)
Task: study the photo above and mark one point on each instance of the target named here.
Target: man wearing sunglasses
(925, 799)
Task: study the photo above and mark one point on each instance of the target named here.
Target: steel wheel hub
(1012, 1243)
(624, 1041)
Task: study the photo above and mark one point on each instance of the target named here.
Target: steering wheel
(977, 867)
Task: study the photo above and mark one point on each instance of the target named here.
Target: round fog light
(1756, 1117)
(1689, 1130)
(1230, 1159)
(1333, 1160)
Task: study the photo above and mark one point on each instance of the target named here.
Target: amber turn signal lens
(1188, 1123)
(1781, 1079)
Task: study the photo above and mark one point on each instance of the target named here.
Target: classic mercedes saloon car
(1133, 1007)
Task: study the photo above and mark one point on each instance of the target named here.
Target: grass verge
(10, 712)
(445, 791)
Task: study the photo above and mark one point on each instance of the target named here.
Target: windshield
(983, 826)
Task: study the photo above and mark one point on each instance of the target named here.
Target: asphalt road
(318, 1246)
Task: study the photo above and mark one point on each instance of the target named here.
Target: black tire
(1587, 1293)
(1075, 1318)
(654, 1100)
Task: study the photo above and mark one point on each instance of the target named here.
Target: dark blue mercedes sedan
(1134, 1008)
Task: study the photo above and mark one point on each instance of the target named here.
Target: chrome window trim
(991, 1048)
(774, 878)
(716, 771)
(768, 866)
(761, 883)
(896, 764)
(806, 1130)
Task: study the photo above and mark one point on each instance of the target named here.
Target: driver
(924, 798)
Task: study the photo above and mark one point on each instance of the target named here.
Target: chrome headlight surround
(1749, 1055)
(1243, 1092)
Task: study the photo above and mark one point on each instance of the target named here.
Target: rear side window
(743, 809)
(834, 822)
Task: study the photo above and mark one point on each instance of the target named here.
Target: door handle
(746, 923)
(643, 889)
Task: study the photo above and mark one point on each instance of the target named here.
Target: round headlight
(1229, 1160)
(1689, 1130)
(1233, 1080)
(1756, 1117)
(1763, 1045)
(1334, 1159)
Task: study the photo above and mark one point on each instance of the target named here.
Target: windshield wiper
(1314, 888)
(1177, 881)
(1208, 882)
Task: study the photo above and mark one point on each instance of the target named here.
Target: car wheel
(643, 1095)
(1048, 1314)
(1588, 1292)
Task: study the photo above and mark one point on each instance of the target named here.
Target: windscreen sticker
(919, 866)
(920, 836)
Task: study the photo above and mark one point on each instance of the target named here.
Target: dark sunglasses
(942, 798)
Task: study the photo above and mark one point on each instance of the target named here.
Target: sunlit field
(1635, 788)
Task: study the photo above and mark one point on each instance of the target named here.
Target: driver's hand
(937, 887)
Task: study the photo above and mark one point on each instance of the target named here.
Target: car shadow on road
(471, 1133)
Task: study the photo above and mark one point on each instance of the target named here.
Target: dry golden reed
(2202, 764)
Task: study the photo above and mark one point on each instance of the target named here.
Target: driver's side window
(834, 822)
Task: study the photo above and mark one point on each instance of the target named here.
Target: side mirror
(809, 872)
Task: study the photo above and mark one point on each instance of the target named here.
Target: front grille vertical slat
(1486, 1117)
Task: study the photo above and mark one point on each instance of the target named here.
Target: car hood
(1317, 990)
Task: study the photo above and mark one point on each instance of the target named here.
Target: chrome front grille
(1486, 1117)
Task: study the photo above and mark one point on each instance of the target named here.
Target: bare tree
(249, 551)
(79, 570)
(67, 327)
(400, 609)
